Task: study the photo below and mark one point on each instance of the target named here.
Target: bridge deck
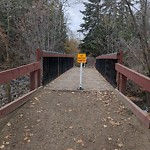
(92, 81)
(70, 120)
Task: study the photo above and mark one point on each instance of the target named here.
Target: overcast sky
(74, 16)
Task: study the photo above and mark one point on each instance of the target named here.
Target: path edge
(138, 112)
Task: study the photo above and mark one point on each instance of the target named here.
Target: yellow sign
(81, 58)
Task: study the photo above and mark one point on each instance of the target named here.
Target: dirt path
(74, 120)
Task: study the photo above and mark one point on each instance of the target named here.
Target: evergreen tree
(105, 24)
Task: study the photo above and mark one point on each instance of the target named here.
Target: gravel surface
(19, 87)
(92, 81)
(57, 120)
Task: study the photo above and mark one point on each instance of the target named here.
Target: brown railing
(125, 73)
(32, 69)
(56, 65)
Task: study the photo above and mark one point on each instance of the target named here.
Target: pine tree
(93, 29)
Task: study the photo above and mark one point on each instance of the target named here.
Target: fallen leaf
(39, 111)
(105, 126)
(110, 139)
(26, 138)
(8, 124)
(36, 98)
(120, 145)
(7, 143)
(109, 118)
(7, 136)
(25, 127)
(79, 141)
(21, 115)
(71, 127)
(2, 146)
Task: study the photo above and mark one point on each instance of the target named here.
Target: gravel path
(92, 81)
(74, 120)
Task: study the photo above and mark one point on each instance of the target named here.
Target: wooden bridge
(55, 115)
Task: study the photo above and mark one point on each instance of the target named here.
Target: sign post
(81, 59)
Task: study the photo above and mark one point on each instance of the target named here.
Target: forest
(26, 25)
(113, 25)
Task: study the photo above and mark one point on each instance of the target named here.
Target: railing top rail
(108, 56)
(56, 55)
(14, 73)
(138, 78)
(51, 54)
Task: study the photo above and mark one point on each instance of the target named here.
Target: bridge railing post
(121, 79)
(33, 80)
(35, 76)
(38, 58)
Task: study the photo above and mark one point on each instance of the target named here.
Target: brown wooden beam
(14, 73)
(138, 78)
(139, 113)
(47, 54)
(5, 110)
(108, 56)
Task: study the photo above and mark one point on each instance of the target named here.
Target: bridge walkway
(60, 117)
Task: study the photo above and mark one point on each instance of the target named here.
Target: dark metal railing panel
(107, 68)
(105, 64)
(55, 66)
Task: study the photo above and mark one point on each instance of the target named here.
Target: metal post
(81, 74)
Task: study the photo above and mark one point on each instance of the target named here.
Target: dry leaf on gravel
(7, 143)
(8, 124)
(25, 127)
(2, 146)
(79, 141)
(105, 126)
(36, 98)
(21, 115)
(110, 139)
(26, 138)
(39, 111)
(120, 144)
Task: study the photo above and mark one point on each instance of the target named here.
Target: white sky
(74, 16)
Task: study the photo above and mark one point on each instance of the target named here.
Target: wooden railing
(112, 68)
(32, 69)
(125, 73)
(56, 62)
